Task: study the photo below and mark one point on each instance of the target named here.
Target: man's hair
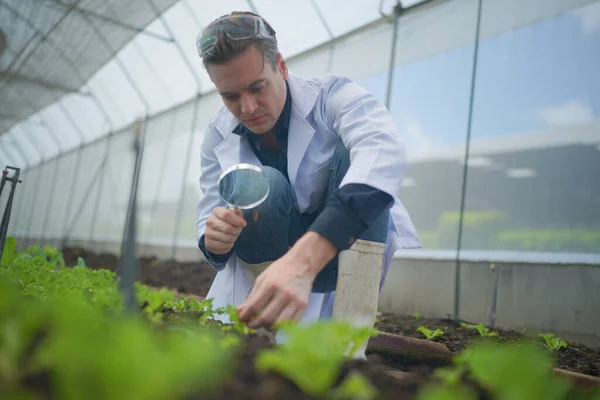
(226, 49)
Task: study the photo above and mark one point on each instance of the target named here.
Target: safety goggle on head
(235, 27)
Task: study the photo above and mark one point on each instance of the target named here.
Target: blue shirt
(348, 211)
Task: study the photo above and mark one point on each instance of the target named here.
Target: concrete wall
(562, 299)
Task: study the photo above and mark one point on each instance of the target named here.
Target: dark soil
(576, 357)
(195, 278)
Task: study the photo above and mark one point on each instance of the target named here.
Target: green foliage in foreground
(313, 355)
(520, 371)
(63, 331)
(63, 325)
(66, 328)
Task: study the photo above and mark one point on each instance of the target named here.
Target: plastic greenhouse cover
(149, 75)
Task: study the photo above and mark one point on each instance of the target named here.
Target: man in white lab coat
(321, 244)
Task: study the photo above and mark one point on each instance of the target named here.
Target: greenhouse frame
(498, 102)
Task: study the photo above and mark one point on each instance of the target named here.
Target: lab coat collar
(301, 131)
(304, 96)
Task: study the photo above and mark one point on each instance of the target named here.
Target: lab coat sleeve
(377, 153)
(210, 169)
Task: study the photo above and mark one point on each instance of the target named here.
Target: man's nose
(248, 103)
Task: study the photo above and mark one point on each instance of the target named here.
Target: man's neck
(269, 141)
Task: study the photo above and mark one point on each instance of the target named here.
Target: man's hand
(223, 227)
(282, 291)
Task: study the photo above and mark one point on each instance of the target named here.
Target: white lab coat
(324, 110)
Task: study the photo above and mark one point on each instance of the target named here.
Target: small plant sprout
(237, 325)
(417, 315)
(483, 330)
(552, 343)
(429, 334)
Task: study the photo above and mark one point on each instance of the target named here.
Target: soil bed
(576, 357)
(195, 278)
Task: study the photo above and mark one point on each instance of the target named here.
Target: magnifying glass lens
(243, 186)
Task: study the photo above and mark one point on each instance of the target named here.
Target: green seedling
(354, 387)
(506, 372)
(439, 392)
(49, 316)
(553, 343)
(482, 329)
(417, 315)
(191, 305)
(429, 334)
(237, 325)
(313, 367)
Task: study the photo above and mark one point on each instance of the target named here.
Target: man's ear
(282, 66)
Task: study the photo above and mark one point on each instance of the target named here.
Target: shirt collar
(281, 127)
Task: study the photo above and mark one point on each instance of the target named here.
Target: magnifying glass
(243, 186)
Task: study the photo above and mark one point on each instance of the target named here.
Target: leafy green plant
(482, 329)
(312, 355)
(439, 392)
(354, 387)
(508, 372)
(154, 303)
(553, 343)
(236, 324)
(66, 324)
(138, 362)
(428, 333)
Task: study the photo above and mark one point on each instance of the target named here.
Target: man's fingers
(256, 302)
(218, 242)
(293, 312)
(222, 237)
(223, 227)
(273, 309)
(230, 217)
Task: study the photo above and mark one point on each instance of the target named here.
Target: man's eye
(231, 97)
(257, 89)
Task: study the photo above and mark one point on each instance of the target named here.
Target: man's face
(251, 89)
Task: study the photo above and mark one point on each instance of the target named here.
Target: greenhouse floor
(194, 278)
